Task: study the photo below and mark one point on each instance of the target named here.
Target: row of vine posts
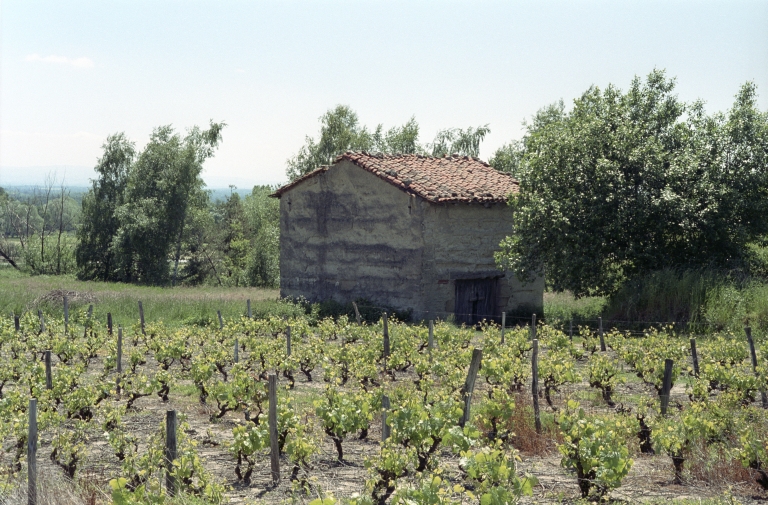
(467, 390)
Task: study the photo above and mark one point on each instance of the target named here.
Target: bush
(706, 300)
(564, 307)
(596, 448)
(55, 258)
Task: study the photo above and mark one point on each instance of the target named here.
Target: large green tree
(94, 254)
(138, 208)
(163, 184)
(508, 157)
(630, 182)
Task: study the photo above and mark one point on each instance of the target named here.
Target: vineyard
(380, 413)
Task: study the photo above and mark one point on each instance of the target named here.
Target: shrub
(595, 447)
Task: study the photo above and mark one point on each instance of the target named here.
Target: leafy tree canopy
(630, 182)
(94, 256)
(508, 157)
(138, 208)
(341, 131)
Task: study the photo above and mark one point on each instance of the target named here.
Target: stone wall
(346, 234)
(461, 239)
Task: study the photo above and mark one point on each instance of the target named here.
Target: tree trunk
(9, 260)
(42, 228)
(178, 250)
(61, 231)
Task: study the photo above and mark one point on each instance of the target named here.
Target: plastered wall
(460, 241)
(346, 234)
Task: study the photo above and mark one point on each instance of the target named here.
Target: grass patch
(564, 307)
(702, 301)
(21, 293)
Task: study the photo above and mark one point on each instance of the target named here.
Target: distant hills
(70, 175)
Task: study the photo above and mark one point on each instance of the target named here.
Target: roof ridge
(447, 178)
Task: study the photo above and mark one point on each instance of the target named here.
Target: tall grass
(701, 300)
(704, 300)
(663, 296)
(21, 293)
(564, 307)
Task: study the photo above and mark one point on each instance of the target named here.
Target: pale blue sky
(72, 72)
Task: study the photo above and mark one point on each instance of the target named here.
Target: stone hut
(409, 232)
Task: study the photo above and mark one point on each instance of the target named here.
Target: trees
(508, 157)
(36, 229)
(94, 254)
(458, 141)
(263, 217)
(162, 184)
(147, 210)
(137, 210)
(235, 242)
(627, 183)
(340, 131)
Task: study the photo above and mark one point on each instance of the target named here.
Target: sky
(74, 72)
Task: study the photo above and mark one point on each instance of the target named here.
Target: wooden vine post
(533, 327)
(385, 406)
(570, 329)
(170, 452)
(32, 454)
(109, 323)
(431, 337)
(535, 385)
(753, 355)
(503, 325)
(248, 308)
(119, 357)
(141, 317)
(358, 318)
(288, 341)
(386, 339)
(469, 385)
(694, 357)
(42, 320)
(48, 373)
(274, 446)
(666, 386)
(16, 323)
(602, 337)
(237, 352)
(221, 321)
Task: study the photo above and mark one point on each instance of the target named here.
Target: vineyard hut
(409, 232)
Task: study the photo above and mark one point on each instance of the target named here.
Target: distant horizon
(76, 176)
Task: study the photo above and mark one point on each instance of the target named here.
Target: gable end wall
(346, 234)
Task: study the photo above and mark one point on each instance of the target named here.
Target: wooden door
(475, 301)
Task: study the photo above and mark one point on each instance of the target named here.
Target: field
(22, 293)
(329, 408)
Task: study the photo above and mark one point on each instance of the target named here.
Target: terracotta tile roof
(447, 179)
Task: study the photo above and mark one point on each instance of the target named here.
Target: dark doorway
(475, 301)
